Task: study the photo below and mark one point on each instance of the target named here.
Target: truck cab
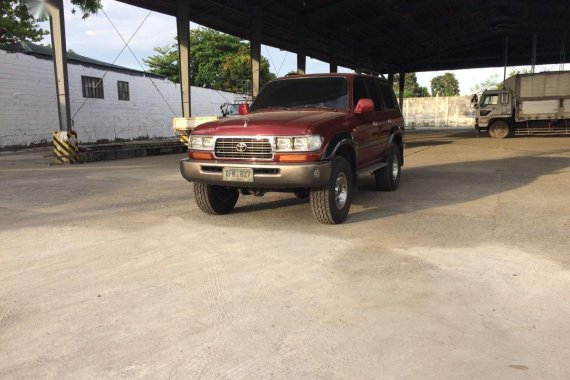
(494, 110)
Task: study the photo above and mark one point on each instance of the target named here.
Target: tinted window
(375, 95)
(328, 92)
(388, 96)
(359, 91)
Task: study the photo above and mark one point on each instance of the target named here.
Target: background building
(131, 104)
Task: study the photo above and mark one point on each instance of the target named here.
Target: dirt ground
(109, 270)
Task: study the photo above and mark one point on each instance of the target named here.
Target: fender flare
(341, 143)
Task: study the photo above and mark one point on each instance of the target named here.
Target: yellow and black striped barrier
(65, 147)
(183, 139)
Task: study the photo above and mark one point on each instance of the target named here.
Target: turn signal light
(200, 155)
(292, 157)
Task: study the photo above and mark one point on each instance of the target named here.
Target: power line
(115, 60)
(136, 58)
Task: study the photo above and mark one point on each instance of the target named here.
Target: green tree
(445, 85)
(490, 83)
(164, 62)
(412, 88)
(217, 60)
(237, 68)
(16, 24)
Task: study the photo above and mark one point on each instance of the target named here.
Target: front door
(366, 131)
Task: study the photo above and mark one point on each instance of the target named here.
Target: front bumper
(266, 175)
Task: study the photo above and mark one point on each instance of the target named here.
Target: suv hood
(274, 123)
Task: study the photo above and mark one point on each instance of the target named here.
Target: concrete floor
(109, 270)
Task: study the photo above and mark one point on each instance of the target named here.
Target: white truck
(529, 104)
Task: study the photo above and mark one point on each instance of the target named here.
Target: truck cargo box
(543, 85)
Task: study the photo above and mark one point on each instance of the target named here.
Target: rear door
(391, 116)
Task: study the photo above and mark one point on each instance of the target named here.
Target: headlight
(298, 143)
(201, 142)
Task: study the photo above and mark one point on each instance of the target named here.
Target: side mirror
(364, 106)
(243, 109)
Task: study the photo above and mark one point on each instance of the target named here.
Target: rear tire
(388, 177)
(330, 204)
(500, 129)
(215, 200)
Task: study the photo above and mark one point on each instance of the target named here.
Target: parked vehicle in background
(311, 135)
(529, 104)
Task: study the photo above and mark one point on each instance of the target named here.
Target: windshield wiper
(313, 106)
(275, 108)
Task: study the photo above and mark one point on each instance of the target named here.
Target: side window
(491, 99)
(359, 91)
(388, 96)
(504, 98)
(375, 95)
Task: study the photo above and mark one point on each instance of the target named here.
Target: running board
(372, 168)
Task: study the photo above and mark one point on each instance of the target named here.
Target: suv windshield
(331, 92)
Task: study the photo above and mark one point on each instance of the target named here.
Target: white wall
(439, 111)
(28, 107)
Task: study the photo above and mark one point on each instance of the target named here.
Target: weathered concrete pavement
(108, 270)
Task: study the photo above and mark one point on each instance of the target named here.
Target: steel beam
(57, 26)
(533, 57)
(402, 80)
(506, 59)
(183, 30)
(255, 45)
(301, 46)
(333, 68)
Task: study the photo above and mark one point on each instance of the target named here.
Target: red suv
(311, 135)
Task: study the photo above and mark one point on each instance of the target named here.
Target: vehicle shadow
(443, 185)
(269, 205)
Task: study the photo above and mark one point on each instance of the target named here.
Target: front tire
(330, 204)
(215, 200)
(500, 129)
(388, 177)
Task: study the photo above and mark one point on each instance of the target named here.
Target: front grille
(244, 148)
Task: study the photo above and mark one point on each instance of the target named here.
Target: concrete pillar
(255, 43)
(57, 26)
(301, 44)
(183, 30)
(402, 81)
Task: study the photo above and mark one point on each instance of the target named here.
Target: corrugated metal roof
(393, 35)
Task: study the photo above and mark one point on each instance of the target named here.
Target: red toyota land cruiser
(311, 135)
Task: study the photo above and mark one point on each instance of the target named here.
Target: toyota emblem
(241, 147)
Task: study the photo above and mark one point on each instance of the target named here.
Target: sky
(95, 37)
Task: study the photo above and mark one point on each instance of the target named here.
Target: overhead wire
(136, 58)
(115, 60)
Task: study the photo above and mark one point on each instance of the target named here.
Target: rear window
(331, 92)
(388, 96)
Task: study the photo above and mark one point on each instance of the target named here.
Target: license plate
(237, 174)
